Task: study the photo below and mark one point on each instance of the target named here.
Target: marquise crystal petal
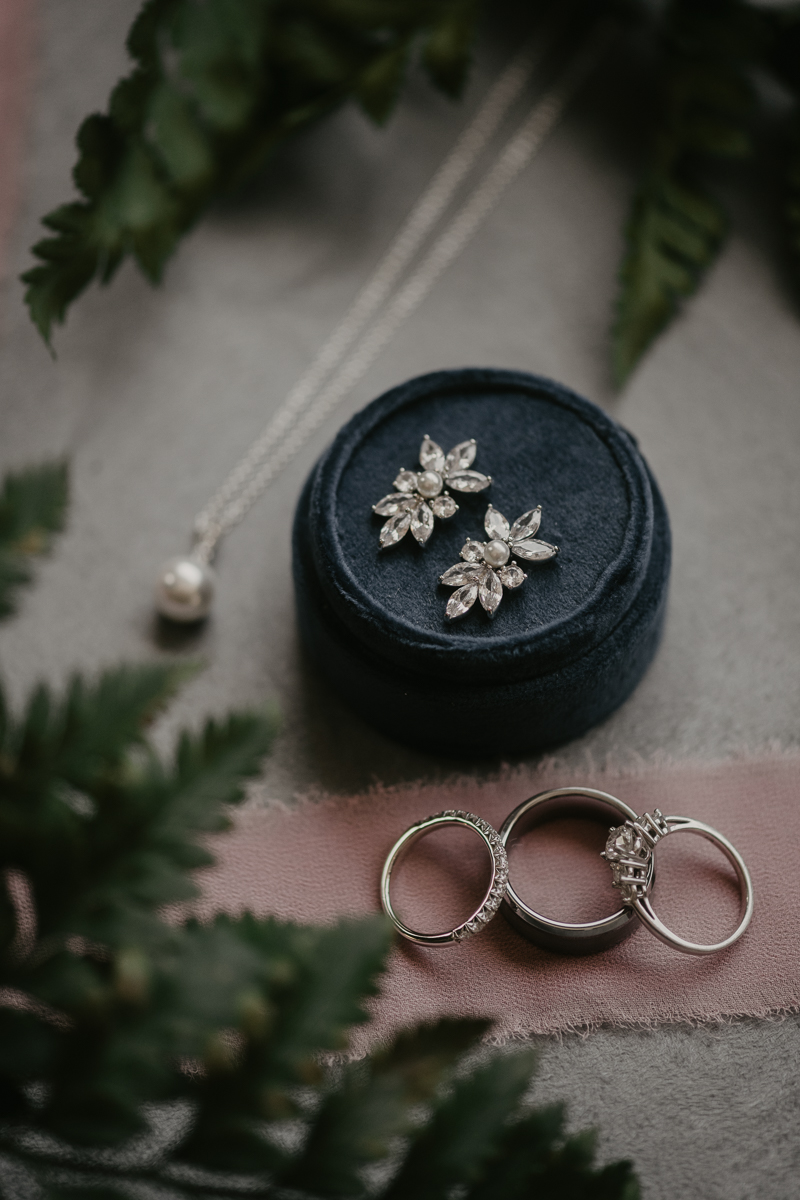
(491, 591)
(395, 528)
(511, 576)
(495, 524)
(444, 506)
(461, 456)
(472, 551)
(431, 455)
(462, 601)
(391, 504)
(526, 525)
(458, 575)
(467, 481)
(534, 551)
(422, 522)
(406, 481)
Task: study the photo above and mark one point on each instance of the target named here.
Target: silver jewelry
(567, 937)
(497, 884)
(185, 589)
(489, 567)
(629, 853)
(422, 495)
(383, 304)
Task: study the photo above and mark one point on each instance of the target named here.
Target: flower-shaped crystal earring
(487, 568)
(421, 495)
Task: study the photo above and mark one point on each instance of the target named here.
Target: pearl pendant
(185, 590)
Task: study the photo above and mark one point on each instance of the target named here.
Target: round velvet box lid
(562, 650)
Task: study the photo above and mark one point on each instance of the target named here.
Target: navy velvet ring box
(564, 649)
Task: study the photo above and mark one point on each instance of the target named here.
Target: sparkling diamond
(406, 481)
(457, 576)
(422, 522)
(527, 525)
(395, 528)
(462, 601)
(534, 550)
(491, 591)
(461, 456)
(512, 576)
(431, 455)
(444, 506)
(472, 551)
(389, 505)
(467, 481)
(495, 523)
(623, 842)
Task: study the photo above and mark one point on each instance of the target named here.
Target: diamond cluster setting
(419, 496)
(488, 566)
(629, 853)
(500, 881)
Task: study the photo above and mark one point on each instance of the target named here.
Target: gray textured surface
(155, 394)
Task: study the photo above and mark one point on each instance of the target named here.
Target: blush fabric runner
(322, 860)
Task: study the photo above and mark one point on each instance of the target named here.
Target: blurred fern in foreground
(217, 85)
(146, 1059)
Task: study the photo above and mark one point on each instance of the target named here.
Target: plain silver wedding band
(567, 937)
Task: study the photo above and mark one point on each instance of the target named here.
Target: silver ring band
(629, 852)
(566, 937)
(497, 884)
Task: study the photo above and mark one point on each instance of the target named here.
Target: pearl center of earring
(429, 484)
(496, 553)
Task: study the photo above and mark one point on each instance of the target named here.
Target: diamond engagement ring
(630, 854)
(567, 937)
(497, 884)
(419, 496)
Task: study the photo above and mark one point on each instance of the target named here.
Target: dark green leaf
(179, 139)
(335, 970)
(465, 1130)
(371, 1106)
(676, 229)
(216, 85)
(33, 505)
(448, 48)
(673, 235)
(782, 43)
(792, 205)
(378, 87)
(89, 731)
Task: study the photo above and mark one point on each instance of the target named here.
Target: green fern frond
(357, 1122)
(676, 228)
(465, 1130)
(215, 87)
(793, 198)
(447, 53)
(111, 1011)
(33, 507)
(673, 236)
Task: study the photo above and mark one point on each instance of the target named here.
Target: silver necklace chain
(382, 306)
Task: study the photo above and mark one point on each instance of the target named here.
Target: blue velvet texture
(564, 649)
